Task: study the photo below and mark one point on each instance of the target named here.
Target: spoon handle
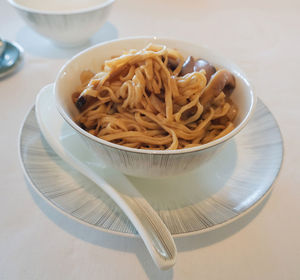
(151, 228)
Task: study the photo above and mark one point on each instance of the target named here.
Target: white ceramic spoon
(71, 148)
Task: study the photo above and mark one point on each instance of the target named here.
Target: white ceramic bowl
(67, 23)
(146, 163)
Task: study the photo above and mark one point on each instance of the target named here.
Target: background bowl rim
(63, 12)
(199, 148)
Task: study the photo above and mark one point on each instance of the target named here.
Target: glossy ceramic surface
(10, 59)
(116, 185)
(217, 193)
(63, 23)
(142, 162)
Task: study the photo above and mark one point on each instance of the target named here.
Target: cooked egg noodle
(140, 103)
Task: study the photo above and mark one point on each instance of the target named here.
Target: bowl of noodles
(153, 107)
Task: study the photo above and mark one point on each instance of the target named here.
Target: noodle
(140, 100)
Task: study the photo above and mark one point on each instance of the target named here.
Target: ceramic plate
(218, 192)
(10, 59)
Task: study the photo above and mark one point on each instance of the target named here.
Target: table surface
(38, 242)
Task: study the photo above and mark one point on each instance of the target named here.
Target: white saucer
(215, 194)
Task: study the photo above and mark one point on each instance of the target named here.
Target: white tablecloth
(38, 242)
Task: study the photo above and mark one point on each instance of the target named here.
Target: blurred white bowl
(138, 162)
(66, 23)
